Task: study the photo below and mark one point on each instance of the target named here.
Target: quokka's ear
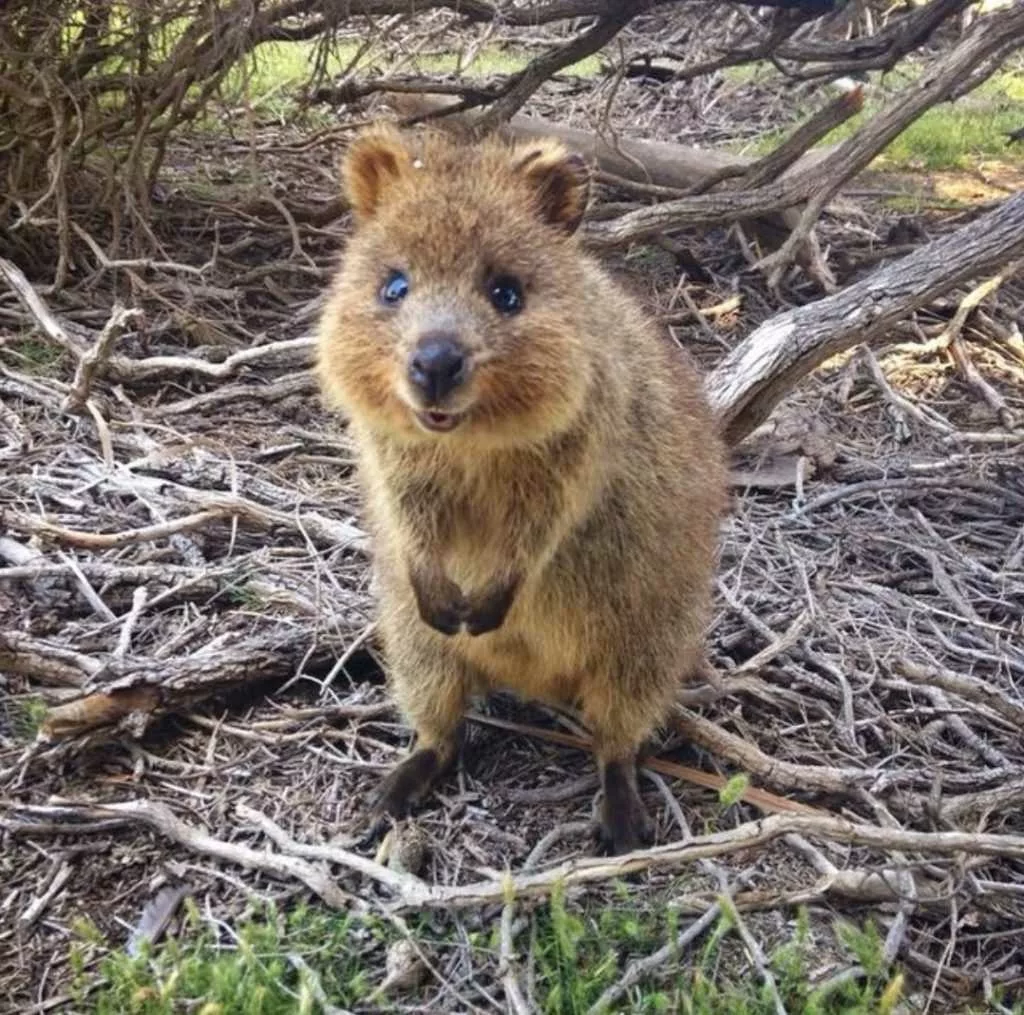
(560, 180)
(376, 160)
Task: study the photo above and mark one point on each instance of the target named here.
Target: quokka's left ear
(376, 160)
(560, 181)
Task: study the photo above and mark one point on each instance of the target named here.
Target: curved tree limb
(538, 70)
(748, 383)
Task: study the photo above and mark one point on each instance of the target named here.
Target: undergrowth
(273, 964)
(579, 955)
(276, 963)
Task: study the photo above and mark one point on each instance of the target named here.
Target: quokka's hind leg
(432, 688)
(621, 717)
(625, 823)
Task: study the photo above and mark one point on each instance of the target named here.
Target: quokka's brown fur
(549, 524)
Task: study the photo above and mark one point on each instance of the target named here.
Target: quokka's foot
(625, 823)
(408, 783)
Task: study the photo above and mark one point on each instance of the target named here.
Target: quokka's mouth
(439, 422)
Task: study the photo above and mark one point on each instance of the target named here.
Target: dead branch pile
(93, 95)
(182, 524)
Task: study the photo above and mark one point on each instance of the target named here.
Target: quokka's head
(457, 311)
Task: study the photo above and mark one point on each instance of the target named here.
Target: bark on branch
(750, 381)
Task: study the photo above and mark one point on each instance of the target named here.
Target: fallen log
(761, 370)
(148, 687)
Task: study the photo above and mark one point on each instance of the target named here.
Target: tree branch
(538, 70)
(748, 383)
(819, 184)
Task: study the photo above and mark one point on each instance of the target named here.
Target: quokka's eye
(505, 294)
(394, 289)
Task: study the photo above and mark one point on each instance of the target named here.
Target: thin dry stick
(972, 301)
(124, 639)
(750, 758)
(296, 351)
(923, 414)
(106, 540)
(38, 905)
(397, 881)
(39, 311)
(753, 795)
(972, 689)
(163, 820)
(783, 643)
(509, 980)
(973, 378)
(91, 595)
(755, 951)
(95, 358)
(655, 962)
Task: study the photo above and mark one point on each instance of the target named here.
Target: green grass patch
(36, 356)
(950, 136)
(26, 714)
(580, 954)
(250, 971)
(745, 73)
(275, 963)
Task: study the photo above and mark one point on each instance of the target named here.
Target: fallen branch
(971, 689)
(321, 530)
(412, 893)
(96, 359)
(756, 797)
(750, 758)
(751, 380)
(162, 819)
(152, 686)
(106, 540)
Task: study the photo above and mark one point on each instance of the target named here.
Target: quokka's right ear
(375, 161)
(560, 181)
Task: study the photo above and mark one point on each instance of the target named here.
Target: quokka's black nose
(437, 366)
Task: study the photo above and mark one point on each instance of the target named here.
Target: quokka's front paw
(440, 601)
(489, 610)
(446, 618)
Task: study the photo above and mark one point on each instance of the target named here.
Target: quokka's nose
(437, 366)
